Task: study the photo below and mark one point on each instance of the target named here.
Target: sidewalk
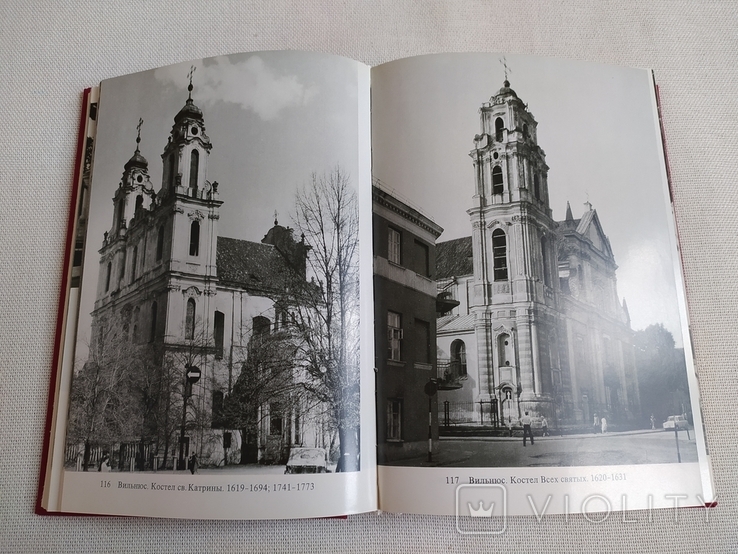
(518, 436)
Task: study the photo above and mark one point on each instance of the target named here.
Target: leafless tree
(326, 307)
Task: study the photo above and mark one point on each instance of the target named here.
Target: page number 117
(452, 480)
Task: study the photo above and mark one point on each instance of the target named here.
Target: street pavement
(631, 447)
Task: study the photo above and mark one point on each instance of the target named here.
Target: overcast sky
(595, 124)
(273, 118)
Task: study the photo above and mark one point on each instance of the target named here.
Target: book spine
(70, 278)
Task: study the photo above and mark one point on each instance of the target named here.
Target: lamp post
(431, 387)
(191, 376)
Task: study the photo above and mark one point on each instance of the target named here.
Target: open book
(298, 286)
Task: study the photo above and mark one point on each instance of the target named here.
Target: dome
(505, 90)
(137, 160)
(189, 111)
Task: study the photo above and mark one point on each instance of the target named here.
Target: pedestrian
(544, 427)
(604, 425)
(193, 463)
(596, 424)
(104, 464)
(527, 431)
(653, 422)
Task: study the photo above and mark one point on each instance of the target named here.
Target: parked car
(678, 421)
(307, 460)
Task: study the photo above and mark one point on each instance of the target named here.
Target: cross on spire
(189, 76)
(138, 132)
(588, 203)
(503, 61)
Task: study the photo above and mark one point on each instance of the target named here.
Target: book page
(533, 354)
(223, 363)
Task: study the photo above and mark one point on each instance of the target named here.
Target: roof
(455, 323)
(454, 258)
(250, 264)
(189, 110)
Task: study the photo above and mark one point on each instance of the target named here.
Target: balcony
(451, 374)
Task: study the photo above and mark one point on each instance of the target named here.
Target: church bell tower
(514, 287)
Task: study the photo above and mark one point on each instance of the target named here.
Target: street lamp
(191, 376)
(431, 387)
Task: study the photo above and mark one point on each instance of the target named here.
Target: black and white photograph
(527, 285)
(218, 325)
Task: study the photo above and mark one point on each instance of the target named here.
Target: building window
(152, 330)
(525, 131)
(122, 274)
(194, 167)
(139, 203)
(544, 257)
(499, 254)
(499, 126)
(275, 419)
(136, 313)
(261, 325)
(119, 216)
(394, 251)
(190, 320)
(394, 336)
(217, 413)
(107, 276)
(423, 349)
(394, 419)
(171, 173)
(458, 357)
(134, 261)
(421, 259)
(195, 238)
(160, 243)
(218, 333)
(504, 350)
(536, 187)
(498, 186)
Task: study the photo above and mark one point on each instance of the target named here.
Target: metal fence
(482, 412)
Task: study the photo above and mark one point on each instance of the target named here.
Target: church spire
(569, 216)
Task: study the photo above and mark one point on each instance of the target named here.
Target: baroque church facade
(538, 325)
(169, 282)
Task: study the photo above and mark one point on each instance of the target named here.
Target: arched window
(122, 272)
(152, 330)
(134, 261)
(194, 167)
(160, 243)
(525, 130)
(195, 238)
(499, 254)
(107, 276)
(136, 313)
(458, 357)
(139, 203)
(172, 180)
(544, 258)
(219, 333)
(261, 325)
(504, 350)
(499, 126)
(497, 181)
(190, 320)
(536, 187)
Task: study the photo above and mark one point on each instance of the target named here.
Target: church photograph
(538, 188)
(208, 335)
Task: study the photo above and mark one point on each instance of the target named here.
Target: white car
(307, 460)
(678, 421)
